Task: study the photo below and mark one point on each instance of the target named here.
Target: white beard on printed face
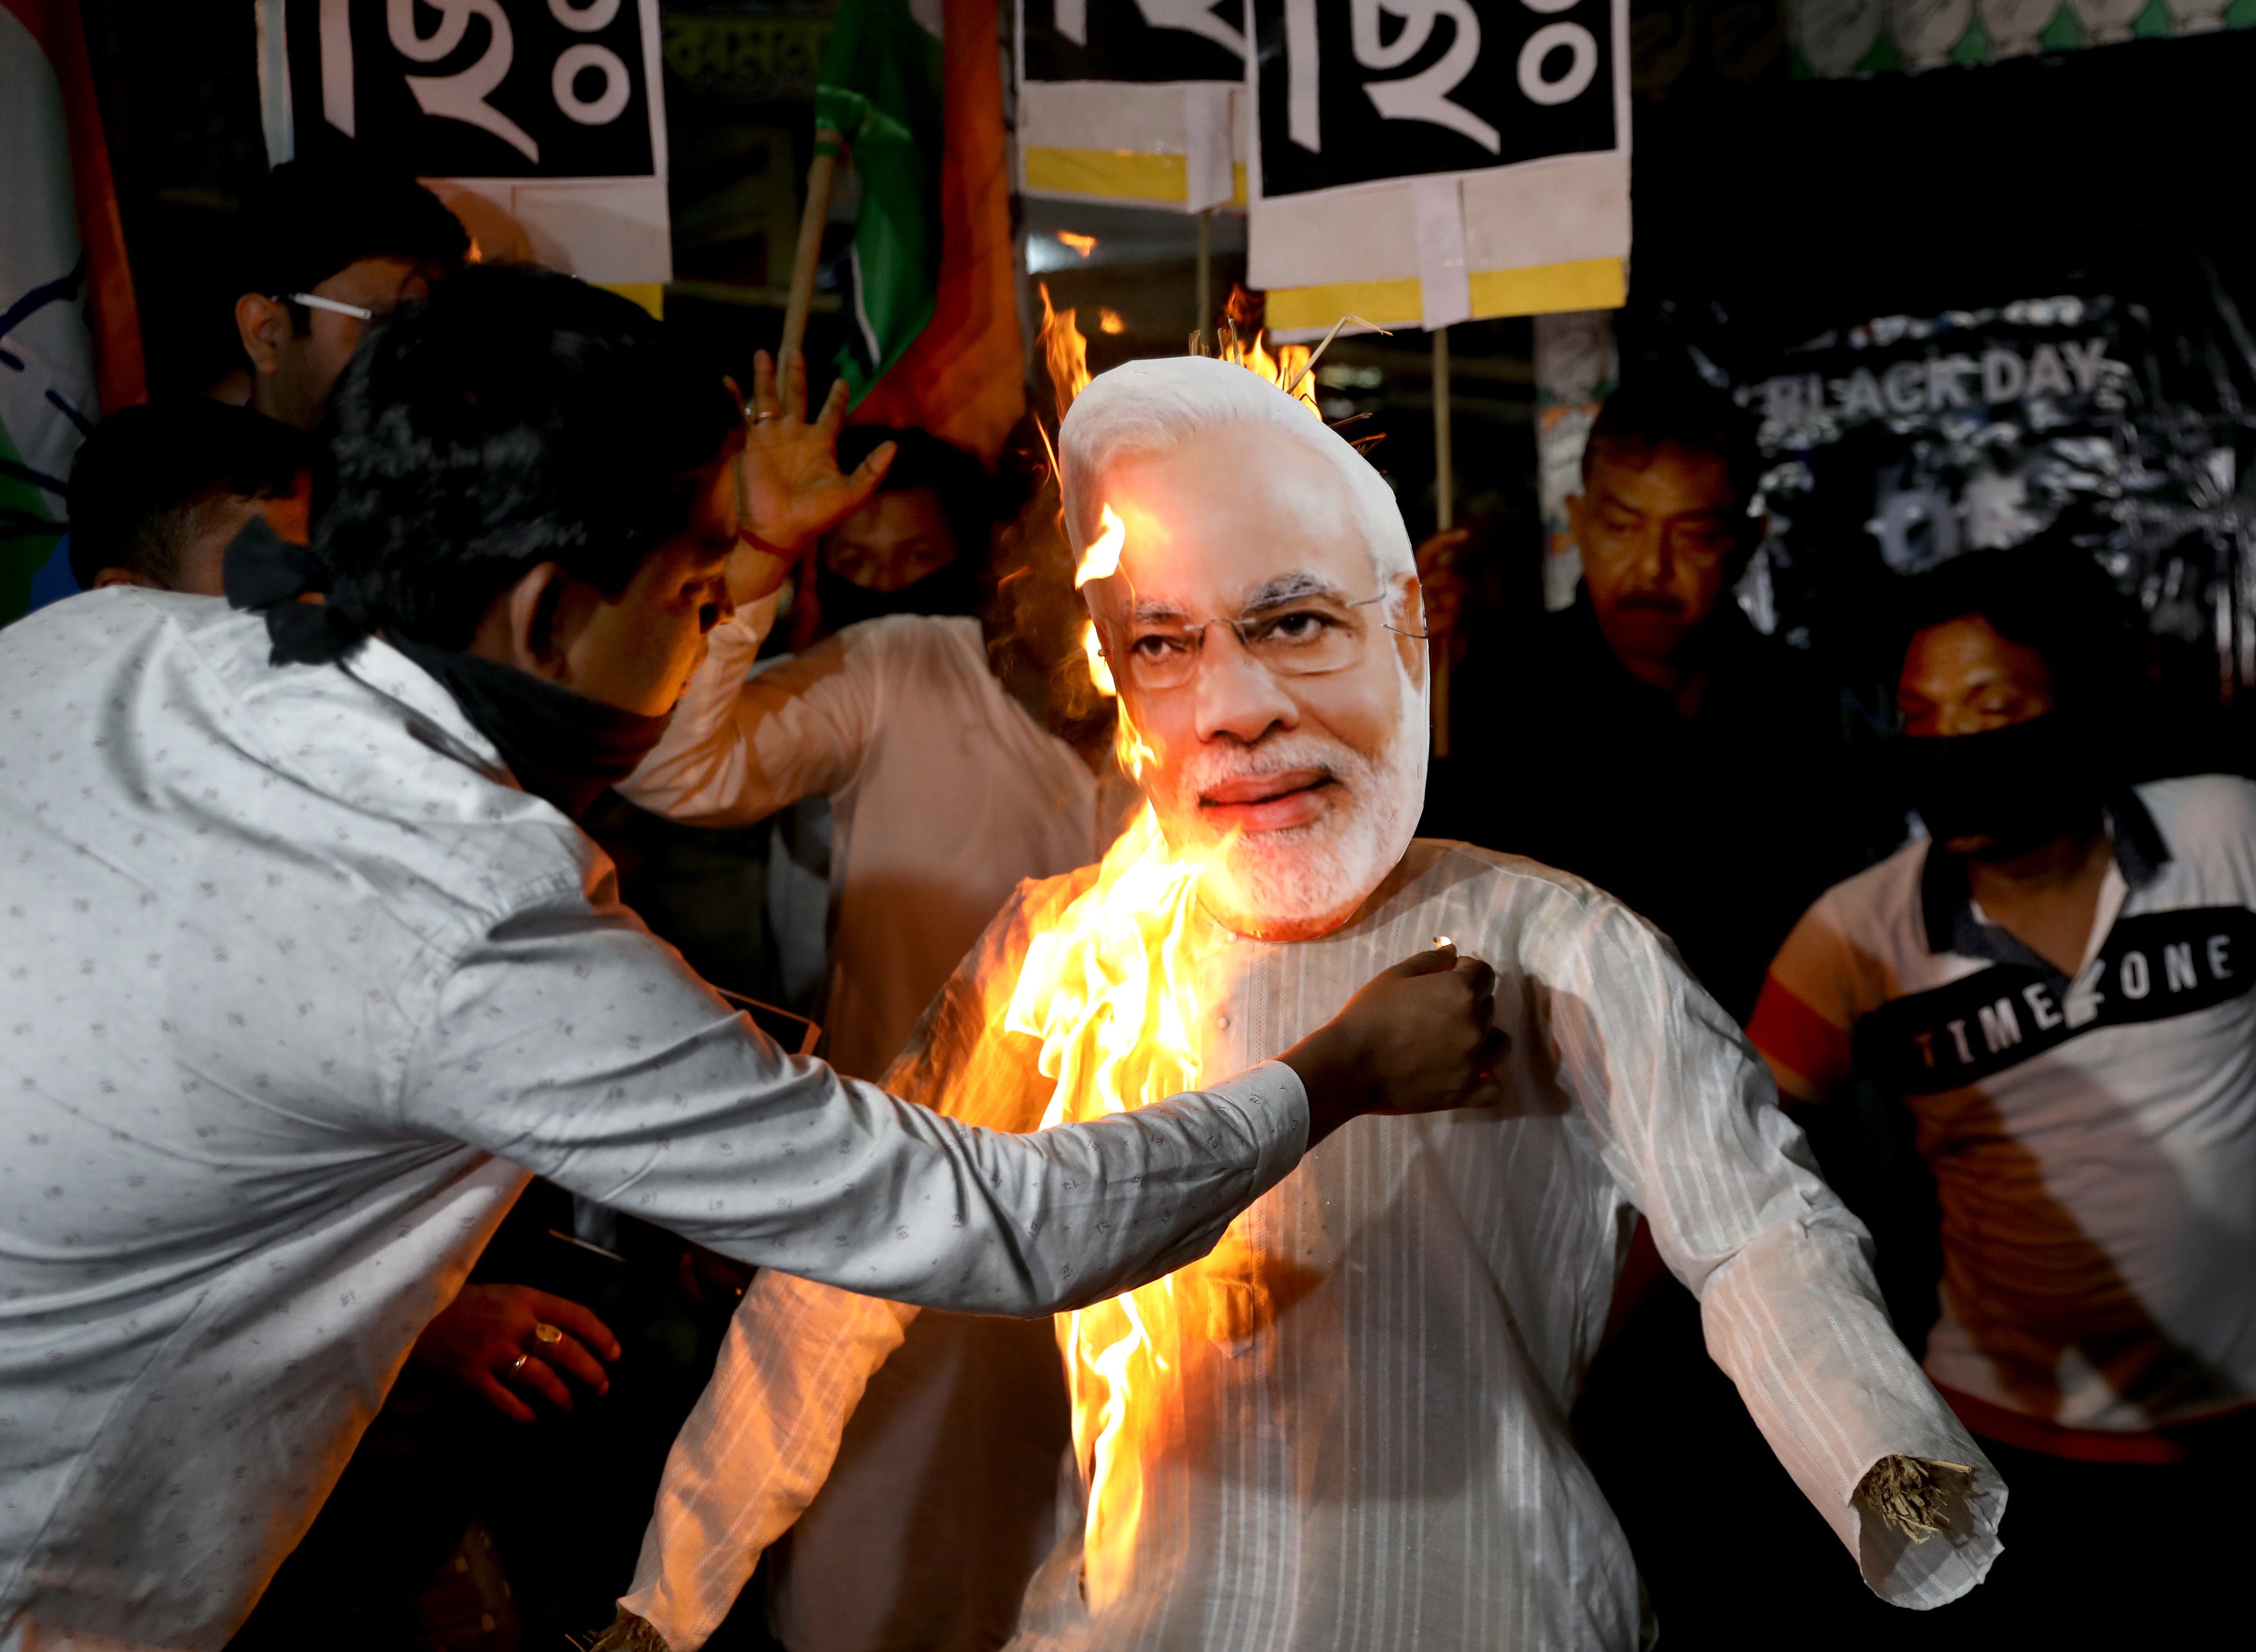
(1302, 879)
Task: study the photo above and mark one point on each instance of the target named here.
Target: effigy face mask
(1271, 672)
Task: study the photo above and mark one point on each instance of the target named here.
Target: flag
(958, 369)
(880, 90)
(70, 340)
(1134, 102)
(1474, 164)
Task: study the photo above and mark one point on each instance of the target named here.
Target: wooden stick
(1205, 275)
(1445, 517)
(807, 255)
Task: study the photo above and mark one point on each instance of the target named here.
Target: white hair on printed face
(1150, 406)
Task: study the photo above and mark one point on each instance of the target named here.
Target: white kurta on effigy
(1345, 1426)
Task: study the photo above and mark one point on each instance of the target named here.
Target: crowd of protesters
(1991, 945)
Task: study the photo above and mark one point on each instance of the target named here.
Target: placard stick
(1205, 277)
(1445, 517)
(808, 254)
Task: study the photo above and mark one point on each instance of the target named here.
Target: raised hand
(1441, 577)
(791, 489)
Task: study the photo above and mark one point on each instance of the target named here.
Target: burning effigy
(1343, 1424)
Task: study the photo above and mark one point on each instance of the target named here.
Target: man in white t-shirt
(2056, 983)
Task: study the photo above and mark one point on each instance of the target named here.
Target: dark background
(1766, 209)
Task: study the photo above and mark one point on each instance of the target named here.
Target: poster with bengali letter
(1423, 162)
(1136, 103)
(542, 122)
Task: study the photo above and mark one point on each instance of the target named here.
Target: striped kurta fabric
(1369, 1449)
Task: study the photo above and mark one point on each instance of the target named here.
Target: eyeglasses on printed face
(1307, 636)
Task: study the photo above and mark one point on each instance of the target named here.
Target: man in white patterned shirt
(304, 966)
(1345, 1429)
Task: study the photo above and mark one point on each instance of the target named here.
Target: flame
(1066, 352)
(1289, 368)
(1101, 559)
(1109, 987)
(1242, 341)
(1082, 244)
(1099, 672)
(1108, 322)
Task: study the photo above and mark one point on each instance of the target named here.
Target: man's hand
(1441, 581)
(477, 1339)
(1420, 1038)
(792, 487)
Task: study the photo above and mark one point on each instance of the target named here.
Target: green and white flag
(880, 90)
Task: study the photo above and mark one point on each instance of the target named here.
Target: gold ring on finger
(546, 1335)
(517, 1364)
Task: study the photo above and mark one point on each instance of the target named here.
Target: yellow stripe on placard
(1539, 289)
(1117, 174)
(1545, 289)
(652, 295)
(1381, 303)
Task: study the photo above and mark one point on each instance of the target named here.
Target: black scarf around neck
(560, 746)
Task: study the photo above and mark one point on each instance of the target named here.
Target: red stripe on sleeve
(1809, 1054)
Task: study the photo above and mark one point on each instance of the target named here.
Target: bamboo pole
(1205, 322)
(1445, 517)
(807, 255)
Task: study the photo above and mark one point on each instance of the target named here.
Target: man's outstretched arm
(569, 1040)
(1688, 1120)
(766, 1431)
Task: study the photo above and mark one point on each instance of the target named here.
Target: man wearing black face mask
(2055, 982)
(918, 545)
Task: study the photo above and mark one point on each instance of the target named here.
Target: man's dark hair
(515, 416)
(137, 481)
(2049, 596)
(1676, 409)
(972, 500)
(311, 218)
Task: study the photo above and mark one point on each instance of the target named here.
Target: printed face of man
(1288, 749)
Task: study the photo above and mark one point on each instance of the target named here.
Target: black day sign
(1144, 42)
(475, 89)
(1358, 91)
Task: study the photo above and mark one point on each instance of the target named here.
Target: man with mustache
(1345, 1429)
(1627, 739)
(1649, 739)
